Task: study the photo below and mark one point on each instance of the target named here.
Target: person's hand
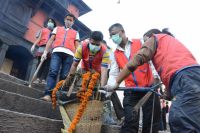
(68, 81)
(108, 94)
(111, 88)
(32, 48)
(44, 56)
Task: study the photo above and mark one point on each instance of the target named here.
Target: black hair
(105, 43)
(71, 15)
(97, 36)
(53, 21)
(118, 25)
(166, 31)
(157, 31)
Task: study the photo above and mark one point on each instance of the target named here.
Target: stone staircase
(21, 110)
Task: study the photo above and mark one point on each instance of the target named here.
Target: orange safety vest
(142, 76)
(45, 35)
(93, 62)
(171, 56)
(65, 38)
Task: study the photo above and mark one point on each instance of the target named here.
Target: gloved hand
(111, 88)
(68, 81)
(32, 48)
(44, 56)
(108, 94)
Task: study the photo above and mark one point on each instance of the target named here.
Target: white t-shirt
(62, 49)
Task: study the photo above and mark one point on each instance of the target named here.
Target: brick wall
(34, 25)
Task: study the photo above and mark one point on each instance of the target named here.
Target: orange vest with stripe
(65, 38)
(92, 62)
(171, 56)
(45, 34)
(142, 76)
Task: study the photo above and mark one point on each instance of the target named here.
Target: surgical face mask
(68, 23)
(50, 25)
(116, 39)
(93, 48)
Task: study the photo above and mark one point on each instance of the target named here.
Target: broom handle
(71, 87)
(36, 72)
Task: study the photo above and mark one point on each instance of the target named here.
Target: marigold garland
(58, 86)
(84, 96)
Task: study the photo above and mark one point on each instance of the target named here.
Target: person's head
(96, 39)
(149, 33)
(51, 24)
(117, 33)
(69, 20)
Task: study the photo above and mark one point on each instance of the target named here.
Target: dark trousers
(119, 111)
(184, 115)
(59, 60)
(131, 123)
(43, 72)
(164, 118)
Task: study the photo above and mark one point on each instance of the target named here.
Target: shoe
(121, 122)
(37, 81)
(46, 98)
(43, 82)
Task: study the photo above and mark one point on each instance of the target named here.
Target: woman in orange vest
(179, 72)
(42, 38)
(142, 77)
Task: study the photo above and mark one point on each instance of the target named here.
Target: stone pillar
(3, 50)
(31, 69)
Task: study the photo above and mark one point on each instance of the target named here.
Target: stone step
(21, 82)
(19, 103)
(39, 86)
(12, 78)
(14, 122)
(20, 89)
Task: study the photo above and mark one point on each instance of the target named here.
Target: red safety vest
(93, 62)
(65, 38)
(45, 34)
(171, 56)
(142, 76)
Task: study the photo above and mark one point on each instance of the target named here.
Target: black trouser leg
(147, 114)
(131, 123)
(119, 111)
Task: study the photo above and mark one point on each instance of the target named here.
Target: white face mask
(68, 23)
(116, 39)
(50, 25)
(93, 48)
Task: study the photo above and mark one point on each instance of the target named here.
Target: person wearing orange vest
(42, 38)
(142, 77)
(94, 56)
(179, 72)
(64, 41)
